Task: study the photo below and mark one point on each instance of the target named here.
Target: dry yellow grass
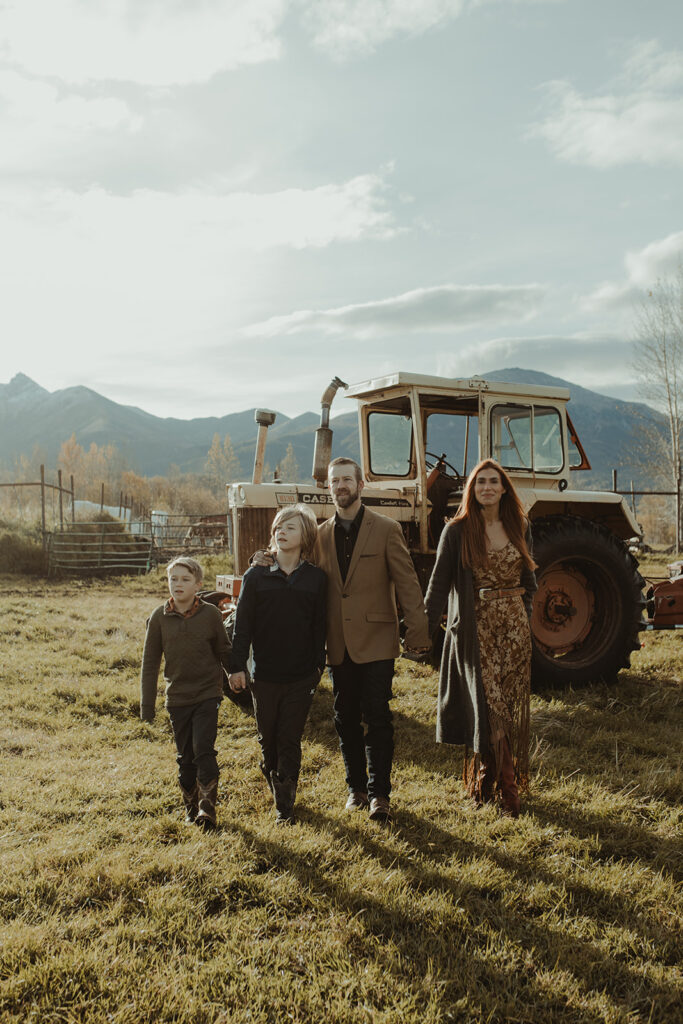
(114, 911)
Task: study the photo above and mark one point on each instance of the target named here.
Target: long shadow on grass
(618, 840)
(425, 838)
(455, 946)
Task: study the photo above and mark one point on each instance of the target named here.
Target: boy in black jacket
(281, 612)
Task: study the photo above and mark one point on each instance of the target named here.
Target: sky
(208, 205)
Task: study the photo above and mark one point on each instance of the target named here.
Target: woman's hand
(237, 681)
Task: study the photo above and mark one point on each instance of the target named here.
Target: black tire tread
(574, 532)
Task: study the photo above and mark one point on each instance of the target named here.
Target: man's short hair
(309, 526)
(191, 564)
(342, 461)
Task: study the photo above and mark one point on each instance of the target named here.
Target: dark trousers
(281, 711)
(194, 730)
(361, 695)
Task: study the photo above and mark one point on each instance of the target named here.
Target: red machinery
(665, 600)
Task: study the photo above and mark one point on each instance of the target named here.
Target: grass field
(113, 911)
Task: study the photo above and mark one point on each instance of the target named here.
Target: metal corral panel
(97, 549)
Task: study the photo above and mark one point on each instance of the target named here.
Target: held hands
(418, 654)
(237, 681)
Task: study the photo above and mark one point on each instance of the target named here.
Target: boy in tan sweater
(190, 635)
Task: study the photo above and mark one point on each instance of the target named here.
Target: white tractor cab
(419, 438)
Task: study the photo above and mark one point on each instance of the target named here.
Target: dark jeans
(361, 695)
(281, 711)
(194, 730)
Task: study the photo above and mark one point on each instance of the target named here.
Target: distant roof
(447, 384)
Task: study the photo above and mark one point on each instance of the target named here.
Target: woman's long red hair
(512, 516)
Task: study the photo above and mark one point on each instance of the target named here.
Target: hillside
(31, 416)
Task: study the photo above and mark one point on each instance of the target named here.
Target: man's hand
(262, 558)
(418, 654)
(237, 681)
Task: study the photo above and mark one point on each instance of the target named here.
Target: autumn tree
(70, 458)
(222, 465)
(659, 351)
(289, 467)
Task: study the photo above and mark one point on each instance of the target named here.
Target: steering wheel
(438, 459)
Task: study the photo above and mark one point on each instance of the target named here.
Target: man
(367, 563)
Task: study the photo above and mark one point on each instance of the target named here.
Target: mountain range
(32, 417)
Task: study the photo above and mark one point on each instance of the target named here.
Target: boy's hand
(262, 558)
(237, 681)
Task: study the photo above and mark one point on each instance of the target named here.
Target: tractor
(419, 437)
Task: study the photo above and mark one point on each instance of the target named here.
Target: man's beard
(345, 500)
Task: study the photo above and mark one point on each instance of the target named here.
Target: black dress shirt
(345, 540)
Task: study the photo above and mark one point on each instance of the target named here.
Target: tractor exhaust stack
(322, 453)
(265, 418)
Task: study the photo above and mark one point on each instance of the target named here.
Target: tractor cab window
(527, 437)
(548, 454)
(390, 435)
(455, 437)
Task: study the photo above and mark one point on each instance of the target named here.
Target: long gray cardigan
(461, 710)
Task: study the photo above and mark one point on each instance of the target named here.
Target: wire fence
(113, 547)
(96, 538)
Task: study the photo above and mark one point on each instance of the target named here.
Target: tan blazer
(361, 612)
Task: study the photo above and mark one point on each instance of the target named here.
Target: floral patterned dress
(505, 658)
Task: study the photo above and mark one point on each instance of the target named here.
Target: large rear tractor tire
(588, 609)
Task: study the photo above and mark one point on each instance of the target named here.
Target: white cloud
(639, 122)
(237, 221)
(104, 275)
(152, 42)
(442, 308)
(28, 100)
(43, 126)
(348, 27)
(644, 267)
(594, 360)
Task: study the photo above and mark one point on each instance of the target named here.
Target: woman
(484, 568)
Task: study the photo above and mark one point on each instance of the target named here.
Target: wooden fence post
(102, 497)
(678, 512)
(42, 513)
(73, 500)
(61, 504)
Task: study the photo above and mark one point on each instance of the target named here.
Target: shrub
(21, 548)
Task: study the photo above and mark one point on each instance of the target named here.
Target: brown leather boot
(191, 804)
(483, 788)
(509, 794)
(206, 813)
(284, 792)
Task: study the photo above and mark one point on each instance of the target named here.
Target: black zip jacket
(284, 619)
